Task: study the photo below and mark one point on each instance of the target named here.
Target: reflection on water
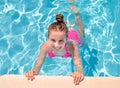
(23, 29)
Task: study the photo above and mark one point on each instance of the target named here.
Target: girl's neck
(60, 52)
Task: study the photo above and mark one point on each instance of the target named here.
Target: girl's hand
(31, 75)
(78, 77)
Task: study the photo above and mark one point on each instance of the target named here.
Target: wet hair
(59, 25)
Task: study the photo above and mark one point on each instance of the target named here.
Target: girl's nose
(56, 44)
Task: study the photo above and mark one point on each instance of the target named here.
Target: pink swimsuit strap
(67, 54)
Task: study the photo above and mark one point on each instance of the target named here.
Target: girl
(61, 42)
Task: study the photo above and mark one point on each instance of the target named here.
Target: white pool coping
(20, 81)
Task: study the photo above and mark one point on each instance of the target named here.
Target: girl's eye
(61, 41)
(52, 40)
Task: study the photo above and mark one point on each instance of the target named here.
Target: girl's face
(57, 40)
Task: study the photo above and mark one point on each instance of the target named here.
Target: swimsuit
(75, 37)
(67, 54)
(72, 36)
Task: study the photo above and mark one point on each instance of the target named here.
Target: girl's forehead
(57, 34)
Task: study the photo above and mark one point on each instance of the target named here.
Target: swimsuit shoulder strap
(66, 48)
(67, 53)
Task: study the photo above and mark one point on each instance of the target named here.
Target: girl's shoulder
(70, 43)
(45, 47)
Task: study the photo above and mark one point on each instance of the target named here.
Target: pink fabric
(67, 54)
(73, 35)
(51, 54)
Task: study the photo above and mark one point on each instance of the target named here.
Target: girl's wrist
(80, 71)
(77, 14)
(36, 70)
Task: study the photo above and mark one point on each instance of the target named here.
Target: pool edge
(20, 81)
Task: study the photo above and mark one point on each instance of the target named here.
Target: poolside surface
(20, 81)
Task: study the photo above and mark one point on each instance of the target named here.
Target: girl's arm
(80, 24)
(41, 59)
(77, 59)
(79, 74)
(30, 75)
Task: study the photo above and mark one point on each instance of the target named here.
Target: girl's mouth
(57, 49)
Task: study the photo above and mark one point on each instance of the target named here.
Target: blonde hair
(59, 25)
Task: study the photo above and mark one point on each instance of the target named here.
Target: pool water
(24, 25)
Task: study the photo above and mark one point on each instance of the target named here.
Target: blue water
(24, 25)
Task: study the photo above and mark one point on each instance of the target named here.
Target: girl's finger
(77, 80)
